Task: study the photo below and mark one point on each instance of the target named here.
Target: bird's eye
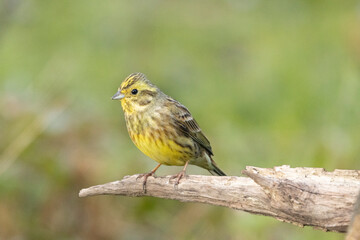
(134, 91)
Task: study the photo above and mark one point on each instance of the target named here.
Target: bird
(162, 128)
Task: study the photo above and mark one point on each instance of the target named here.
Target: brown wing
(188, 125)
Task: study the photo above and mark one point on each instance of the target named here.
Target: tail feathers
(216, 171)
(211, 166)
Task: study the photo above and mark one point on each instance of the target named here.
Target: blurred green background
(270, 83)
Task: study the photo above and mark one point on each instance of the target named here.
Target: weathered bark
(302, 196)
(354, 228)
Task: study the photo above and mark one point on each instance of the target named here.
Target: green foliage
(270, 83)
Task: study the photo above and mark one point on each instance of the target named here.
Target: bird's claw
(178, 177)
(145, 176)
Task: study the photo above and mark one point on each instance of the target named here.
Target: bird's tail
(216, 171)
(211, 166)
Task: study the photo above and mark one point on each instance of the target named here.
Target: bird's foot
(145, 176)
(178, 177)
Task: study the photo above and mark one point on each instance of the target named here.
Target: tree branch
(301, 196)
(354, 228)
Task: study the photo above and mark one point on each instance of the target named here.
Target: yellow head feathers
(136, 92)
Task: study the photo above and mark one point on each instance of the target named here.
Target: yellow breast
(162, 149)
(153, 134)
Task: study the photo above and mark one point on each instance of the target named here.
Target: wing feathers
(188, 125)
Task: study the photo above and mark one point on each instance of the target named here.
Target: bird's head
(136, 93)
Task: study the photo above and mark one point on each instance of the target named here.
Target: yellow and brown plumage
(162, 128)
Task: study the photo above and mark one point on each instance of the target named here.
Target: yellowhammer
(162, 128)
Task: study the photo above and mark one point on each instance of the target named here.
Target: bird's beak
(118, 96)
